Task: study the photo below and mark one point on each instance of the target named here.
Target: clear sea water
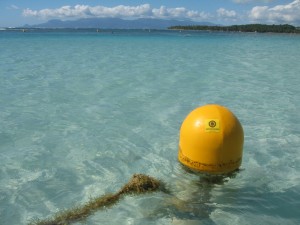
(80, 112)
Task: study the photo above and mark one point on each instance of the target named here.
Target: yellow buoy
(211, 140)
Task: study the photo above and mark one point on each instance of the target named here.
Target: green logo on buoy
(212, 125)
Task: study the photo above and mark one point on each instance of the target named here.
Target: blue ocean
(82, 111)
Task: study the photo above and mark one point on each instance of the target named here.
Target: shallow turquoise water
(82, 111)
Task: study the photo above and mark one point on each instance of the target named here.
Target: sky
(225, 12)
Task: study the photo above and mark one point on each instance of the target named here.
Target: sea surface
(82, 111)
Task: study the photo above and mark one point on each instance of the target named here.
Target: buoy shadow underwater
(191, 196)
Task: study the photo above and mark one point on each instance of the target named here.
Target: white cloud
(223, 13)
(289, 13)
(249, 1)
(85, 11)
(120, 11)
(13, 7)
(227, 16)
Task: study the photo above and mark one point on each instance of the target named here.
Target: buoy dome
(211, 140)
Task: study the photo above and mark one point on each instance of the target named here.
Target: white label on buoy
(212, 125)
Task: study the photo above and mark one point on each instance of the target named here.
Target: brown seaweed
(138, 184)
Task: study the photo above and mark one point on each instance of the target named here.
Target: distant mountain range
(115, 23)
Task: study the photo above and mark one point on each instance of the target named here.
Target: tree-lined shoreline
(260, 28)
